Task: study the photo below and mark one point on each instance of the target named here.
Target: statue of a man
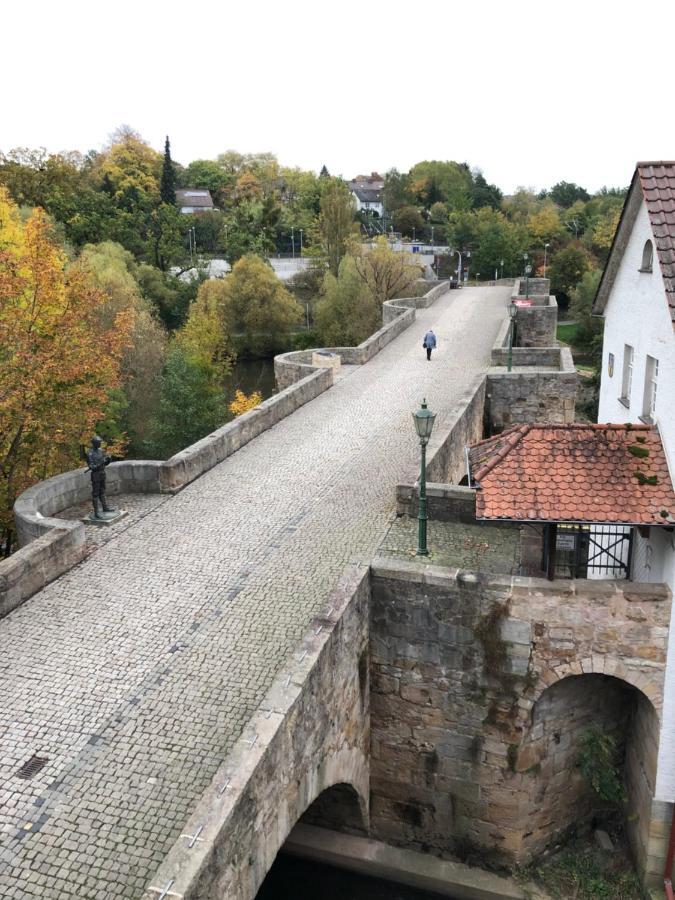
(97, 460)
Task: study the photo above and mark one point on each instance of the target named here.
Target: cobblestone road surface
(135, 672)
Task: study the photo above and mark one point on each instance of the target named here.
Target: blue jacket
(430, 339)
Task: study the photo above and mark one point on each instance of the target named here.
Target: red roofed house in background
(636, 297)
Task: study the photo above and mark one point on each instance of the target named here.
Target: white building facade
(636, 297)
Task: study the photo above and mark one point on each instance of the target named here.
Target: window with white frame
(627, 376)
(651, 381)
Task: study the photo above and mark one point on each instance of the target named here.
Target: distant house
(367, 193)
(194, 201)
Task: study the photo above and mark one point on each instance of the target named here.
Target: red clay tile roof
(657, 180)
(573, 473)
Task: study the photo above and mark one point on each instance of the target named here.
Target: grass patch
(567, 333)
(583, 872)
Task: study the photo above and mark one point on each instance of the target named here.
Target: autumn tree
(113, 270)
(385, 272)
(58, 361)
(204, 337)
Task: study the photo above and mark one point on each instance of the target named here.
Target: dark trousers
(429, 349)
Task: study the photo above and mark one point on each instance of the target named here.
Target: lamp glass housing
(513, 310)
(424, 422)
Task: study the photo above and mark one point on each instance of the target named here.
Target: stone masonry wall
(471, 754)
(534, 396)
(536, 325)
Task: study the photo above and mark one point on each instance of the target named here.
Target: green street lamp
(513, 312)
(528, 269)
(424, 423)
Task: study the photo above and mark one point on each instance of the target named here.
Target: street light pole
(501, 274)
(546, 246)
(424, 423)
(528, 269)
(292, 242)
(513, 311)
(301, 242)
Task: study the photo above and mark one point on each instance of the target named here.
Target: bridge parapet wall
(397, 315)
(310, 733)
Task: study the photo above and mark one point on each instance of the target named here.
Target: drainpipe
(667, 872)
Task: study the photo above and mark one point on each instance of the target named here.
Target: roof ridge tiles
(513, 439)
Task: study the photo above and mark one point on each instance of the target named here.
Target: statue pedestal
(106, 518)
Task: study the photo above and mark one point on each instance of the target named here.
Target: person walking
(429, 342)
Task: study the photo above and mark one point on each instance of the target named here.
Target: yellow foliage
(58, 361)
(243, 403)
(545, 224)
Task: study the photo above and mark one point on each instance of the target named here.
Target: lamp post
(528, 269)
(301, 241)
(501, 273)
(546, 246)
(477, 277)
(424, 423)
(467, 253)
(292, 241)
(513, 312)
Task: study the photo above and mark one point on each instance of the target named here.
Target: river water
(291, 878)
(250, 375)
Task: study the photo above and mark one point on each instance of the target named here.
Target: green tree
(256, 307)
(210, 176)
(169, 295)
(191, 404)
(167, 185)
(484, 194)
(336, 221)
(589, 327)
(408, 220)
(565, 193)
(568, 267)
(449, 182)
(396, 192)
(165, 236)
(347, 312)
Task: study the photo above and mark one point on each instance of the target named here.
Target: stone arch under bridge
(599, 664)
(553, 790)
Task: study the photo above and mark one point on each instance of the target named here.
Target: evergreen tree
(167, 186)
(324, 173)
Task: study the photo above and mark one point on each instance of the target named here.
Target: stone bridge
(128, 681)
(255, 645)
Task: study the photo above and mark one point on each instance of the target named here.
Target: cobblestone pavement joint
(134, 673)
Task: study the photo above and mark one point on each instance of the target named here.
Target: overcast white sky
(531, 92)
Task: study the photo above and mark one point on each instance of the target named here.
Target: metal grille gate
(593, 551)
